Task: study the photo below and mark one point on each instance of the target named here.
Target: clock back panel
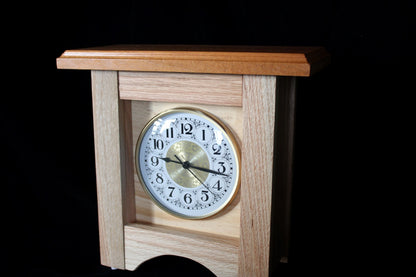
(224, 224)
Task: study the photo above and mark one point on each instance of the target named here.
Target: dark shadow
(169, 265)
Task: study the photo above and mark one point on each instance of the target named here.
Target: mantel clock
(193, 148)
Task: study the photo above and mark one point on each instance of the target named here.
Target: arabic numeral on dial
(169, 132)
(158, 144)
(221, 168)
(216, 148)
(172, 189)
(203, 134)
(186, 129)
(187, 198)
(159, 178)
(217, 185)
(154, 160)
(204, 195)
(171, 192)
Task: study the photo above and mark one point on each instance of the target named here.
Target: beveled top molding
(247, 60)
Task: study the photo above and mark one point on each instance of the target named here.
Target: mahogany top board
(250, 60)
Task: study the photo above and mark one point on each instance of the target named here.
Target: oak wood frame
(266, 174)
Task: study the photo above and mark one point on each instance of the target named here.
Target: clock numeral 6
(187, 198)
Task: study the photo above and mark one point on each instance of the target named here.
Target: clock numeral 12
(186, 129)
(187, 198)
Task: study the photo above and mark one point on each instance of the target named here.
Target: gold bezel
(214, 120)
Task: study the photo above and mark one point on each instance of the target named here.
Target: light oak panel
(144, 242)
(113, 165)
(259, 97)
(187, 88)
(226, 222)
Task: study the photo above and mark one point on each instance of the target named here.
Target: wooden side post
(259, 98)
(112, 137)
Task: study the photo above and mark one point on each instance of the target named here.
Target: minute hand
(169, 160)
(207, 170)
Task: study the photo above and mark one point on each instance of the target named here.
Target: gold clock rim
(234, 145)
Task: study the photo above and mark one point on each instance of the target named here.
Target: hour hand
(187, 165)
(169, 160)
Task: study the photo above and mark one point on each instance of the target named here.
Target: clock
(188, 162)
(194, 151)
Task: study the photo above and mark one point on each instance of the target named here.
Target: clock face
(188, 162)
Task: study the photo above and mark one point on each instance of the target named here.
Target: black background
(346, 120)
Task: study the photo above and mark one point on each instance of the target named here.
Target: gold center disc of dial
(191, 154)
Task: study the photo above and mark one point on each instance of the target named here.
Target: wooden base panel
(144, 242)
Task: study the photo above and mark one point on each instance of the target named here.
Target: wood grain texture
(114, 174)
(256, 60)
(227, 222)
(187, 88)
(259, 97)
(144, 242)
(126, 161)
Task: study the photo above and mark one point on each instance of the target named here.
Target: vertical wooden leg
(259, 98)
(114, 173)
(266, 175)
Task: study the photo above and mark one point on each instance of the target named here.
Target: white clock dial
(188, 162)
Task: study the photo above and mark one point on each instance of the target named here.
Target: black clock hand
(186, 165)
(207, 170)
(168, 160)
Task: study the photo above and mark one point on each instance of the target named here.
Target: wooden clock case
(252, 90)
